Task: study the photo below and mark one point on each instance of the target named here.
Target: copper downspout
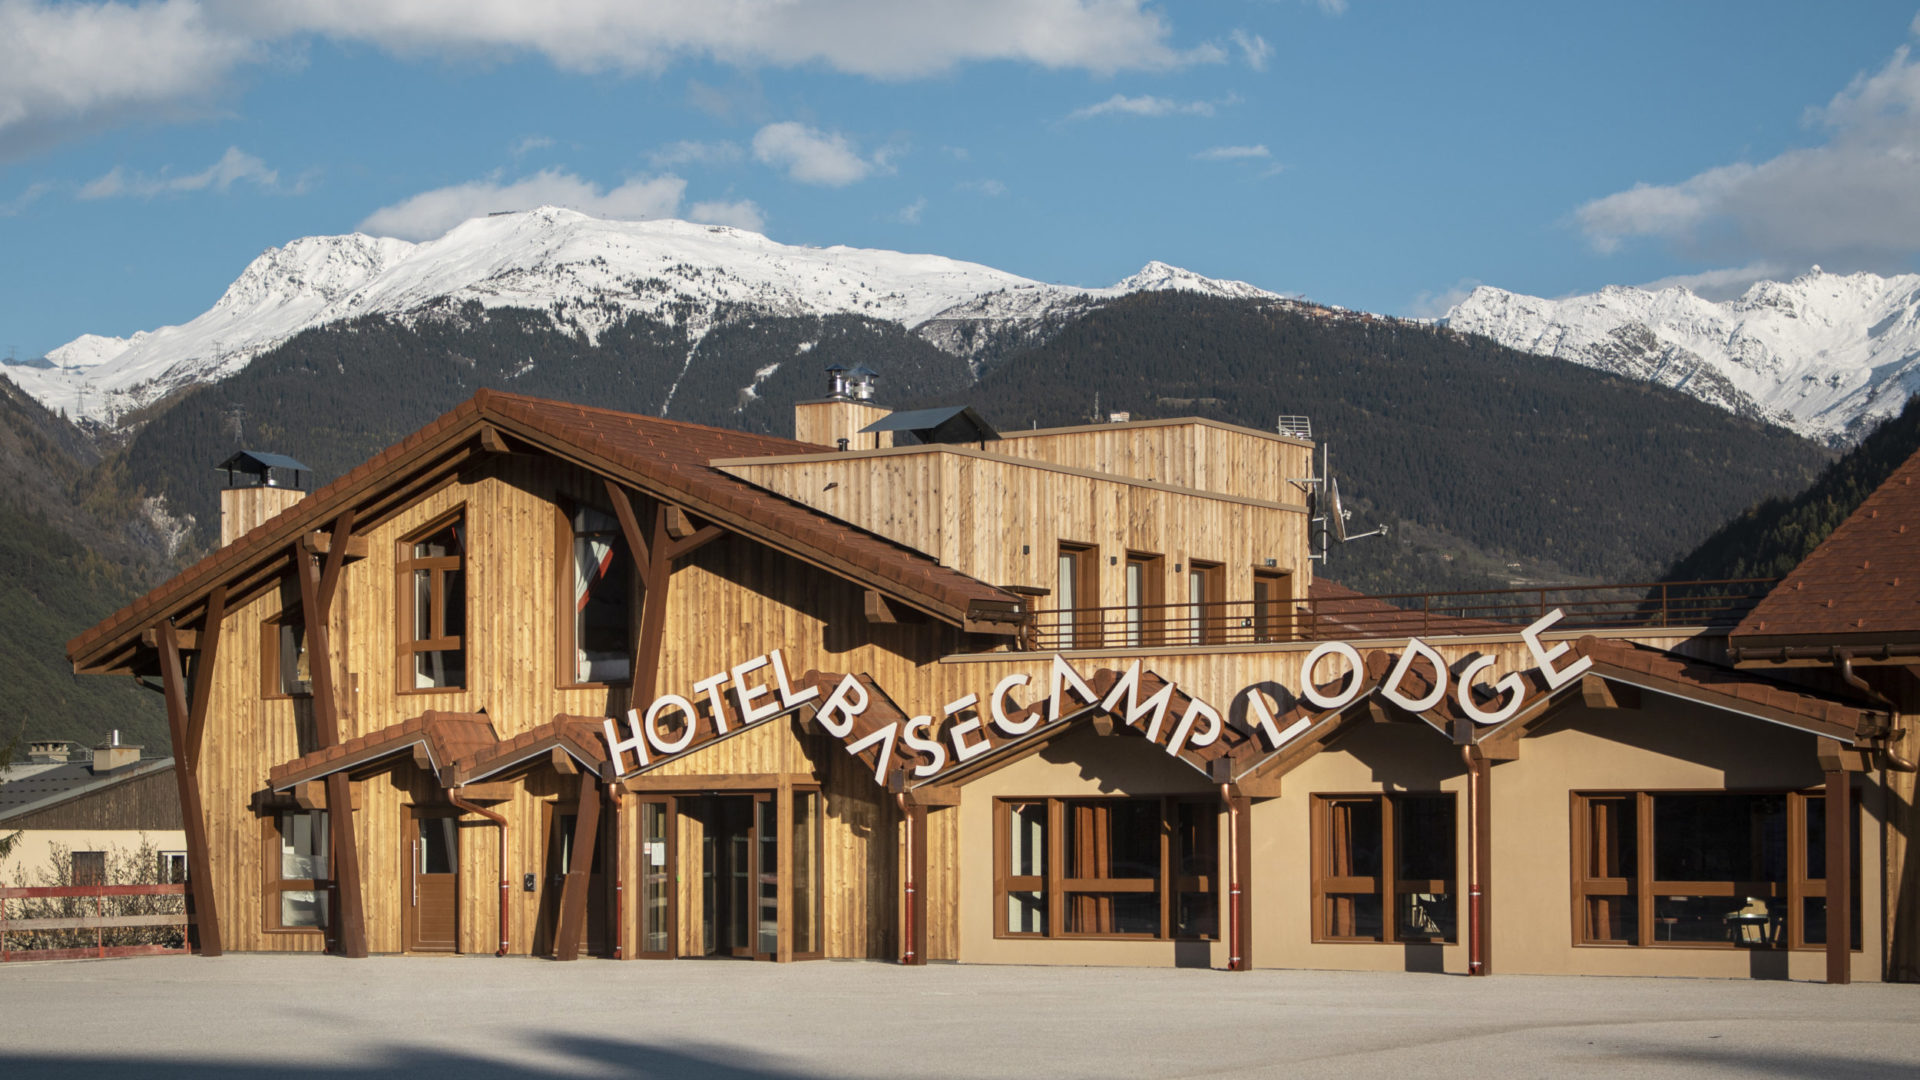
(501, 821)
(1233, 879)
(1473, 864)
(614, 791)
(906, 818)
(1844, 661)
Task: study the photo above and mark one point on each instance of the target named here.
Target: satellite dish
(1334, 510)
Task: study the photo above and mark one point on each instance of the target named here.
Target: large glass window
(1703, 869)
(594, 630)
(1107, 868)
(433, 575)
(299, 871)
(1384, 868)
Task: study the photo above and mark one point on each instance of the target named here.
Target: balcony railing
(1634, 606)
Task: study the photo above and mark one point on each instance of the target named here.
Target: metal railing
(1631, 606)
(57, 921)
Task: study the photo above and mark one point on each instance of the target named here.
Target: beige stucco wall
(33, 855)
(1078, 764)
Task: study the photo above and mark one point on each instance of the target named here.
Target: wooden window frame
(96, 862)
(566, 664)
(272, 884)
(168, 860)
(1388, 886)
(1086, 627)
(405, 647)
(1055, 886)
(1207, 624)
(270, 658)
(1152, 608)
(1642, 887)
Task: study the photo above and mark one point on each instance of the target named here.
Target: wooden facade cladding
(1196, 454)
(1003, 521)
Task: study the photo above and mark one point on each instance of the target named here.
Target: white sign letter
(847, 701)
(1063, 673)
(935, 752)
(660, 705)
(1391, 688)
(788, 699)
(710, 686)
(883, 736)
(1263, 719)
(635, 742)
(1544, 657)
(748, 713)
(962, 749)
(1311, 690)
(1208, 735)
(999, 700)
(1514, 688)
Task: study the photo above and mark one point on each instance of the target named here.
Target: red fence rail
(61, 914)
(1629, 606)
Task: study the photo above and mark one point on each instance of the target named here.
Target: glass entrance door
(727, 874)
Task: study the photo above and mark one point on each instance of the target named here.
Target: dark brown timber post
(1483, 855)
(317, 589)
(1242, 825)
(1839, 877)
(917, 875)
(206, 914)
(573, 892)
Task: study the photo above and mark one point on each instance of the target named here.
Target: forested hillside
(1771, 538)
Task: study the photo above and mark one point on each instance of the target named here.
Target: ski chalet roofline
(667, 460)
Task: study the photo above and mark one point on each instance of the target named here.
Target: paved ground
(480, 1019)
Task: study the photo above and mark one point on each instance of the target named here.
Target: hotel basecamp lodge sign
(762, 690)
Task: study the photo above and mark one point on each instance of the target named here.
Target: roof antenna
(1323, 505)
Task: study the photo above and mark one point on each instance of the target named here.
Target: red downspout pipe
(614, 791)
(1473, 864)
(906, 818)
(1844, 660)
(501, 821)
(1233, 879)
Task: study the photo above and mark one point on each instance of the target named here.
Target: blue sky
(1374, 155)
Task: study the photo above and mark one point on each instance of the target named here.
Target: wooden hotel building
(554, 680)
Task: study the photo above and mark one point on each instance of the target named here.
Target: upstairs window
(283, 652)
(596, 593)
(433, 577)
(1206, 589)
(1078, 593)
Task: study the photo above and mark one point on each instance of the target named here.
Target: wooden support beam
(878, 610)
(490, 440)
(679, 526)
(423, 758)
(311, 795)
(200, 897)
(1257, 787)
(1836, 756)
(1102, 723)
(562, 762)
(935, 795)
(486, 793)
(317, 589)
(707, 782)
(654, 576)
(186, 639)
(1839, 870)
(320, 542)
(700, 538)
(350, 928)
(1598, 693)
(573, 892)
(637, 543)
(203, 664)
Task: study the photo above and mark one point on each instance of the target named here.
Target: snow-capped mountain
(586, 273)
(1827, 355)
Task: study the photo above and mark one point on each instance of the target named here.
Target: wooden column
(1243, 873)
(317, 590)
(200, 891)
(1483, 856)
(573, 892)
(1839, 877)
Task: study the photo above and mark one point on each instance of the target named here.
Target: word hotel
(565, 681)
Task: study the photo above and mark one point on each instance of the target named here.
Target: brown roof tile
(1861, 583)
(448, 736)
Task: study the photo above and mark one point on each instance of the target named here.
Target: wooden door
(433, 883)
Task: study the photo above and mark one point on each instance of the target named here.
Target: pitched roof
(667, 458)
(28, 789)
(447, 736)
(1862, 584)
(578, 736)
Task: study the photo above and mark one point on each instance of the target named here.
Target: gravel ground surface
(482, 1018)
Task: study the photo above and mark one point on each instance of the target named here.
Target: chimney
(835, 420)
(48, 752)
(110, 755)
(259, 486)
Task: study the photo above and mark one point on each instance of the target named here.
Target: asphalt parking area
(481, 1018)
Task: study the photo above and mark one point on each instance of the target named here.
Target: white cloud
(1723, 284)
(1144, 105)
(1329, 7)
(810, 155)
(745, 214)
(234, 166)
(1253, 48)
(431, 213)
(26, 198)
(1233, 153)
(1852, 199)
(73, 68)
(529, 144)
(1432, 304)
(688, 152)
(992, 189)
(910, 213)
(882, 38)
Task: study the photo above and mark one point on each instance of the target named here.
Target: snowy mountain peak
(1828, 355)
(586, 273)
